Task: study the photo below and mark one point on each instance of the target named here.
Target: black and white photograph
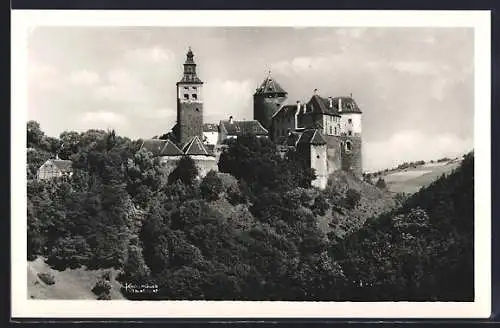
(296, 164)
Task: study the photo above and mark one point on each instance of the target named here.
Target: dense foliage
(257, 238)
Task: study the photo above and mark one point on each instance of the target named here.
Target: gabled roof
(210, 127)
(161, 147)
(348, 105)
(154, 146)
(320, 105)
(311, 137)
(269, 86)
(62, 164)
(286, 111)
(243, 127)
(170, 149)
(195, 147)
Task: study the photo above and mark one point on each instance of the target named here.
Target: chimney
(340, 104)
(330, 99)
(298, 105)
(230, 120)
(315, 91)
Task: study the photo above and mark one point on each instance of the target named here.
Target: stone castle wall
(351, 155)
(264, 108)
(190, 119)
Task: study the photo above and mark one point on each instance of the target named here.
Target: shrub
(352, 198)
(211, 186)
(106, 275)
(381, 184)
(47, 278)
(104, 297)
(186, 171)
(101, 287)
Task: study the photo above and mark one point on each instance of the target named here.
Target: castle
(326, 131)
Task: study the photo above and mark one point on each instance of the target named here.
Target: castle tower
(189, 103)
(350, 127)
(267, 100)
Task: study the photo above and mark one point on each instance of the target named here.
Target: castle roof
(190, 76)
(243, 127)
(195, 147)
(320, 105)
(311, 137)
(269, 86)
(210, 127)
(348, 105)
(170, 149)
(286, 111)
(161, 147)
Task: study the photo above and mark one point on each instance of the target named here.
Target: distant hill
(411, 179)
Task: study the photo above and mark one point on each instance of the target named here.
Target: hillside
(411, 179)
(423, 250)
(70, 284)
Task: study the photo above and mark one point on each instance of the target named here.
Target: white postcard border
(24, 21)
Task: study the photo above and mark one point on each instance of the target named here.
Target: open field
(70, 284)
(412, 179)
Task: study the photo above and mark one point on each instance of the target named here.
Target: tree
(185, 171)
(35, 135)
(381, 183)
(211, 186)
(143, 176)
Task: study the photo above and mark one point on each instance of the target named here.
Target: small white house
(54, 168)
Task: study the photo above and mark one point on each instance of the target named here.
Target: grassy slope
(412, 179)
(69, 284)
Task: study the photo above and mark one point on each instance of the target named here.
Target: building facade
(325, 131)
(338, 121)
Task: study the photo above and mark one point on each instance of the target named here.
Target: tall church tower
(267, 100)
(189, 103)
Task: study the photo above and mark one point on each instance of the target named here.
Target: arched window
(348, 146)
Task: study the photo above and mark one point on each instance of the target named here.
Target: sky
(415, 86)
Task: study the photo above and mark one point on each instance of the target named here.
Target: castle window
(197, 109)
(186, 96)
(349, 132)
(348, 146)
(331, 130)
(349, 121)
(195, 96)
(194, 88)
(317, 156)
(186, 88)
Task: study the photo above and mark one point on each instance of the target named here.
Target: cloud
(84, 77)
(103, 119)
(228, 97)
(158, 113)
(412, 145)
(153, 54)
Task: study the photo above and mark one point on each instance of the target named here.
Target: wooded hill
(259, 233)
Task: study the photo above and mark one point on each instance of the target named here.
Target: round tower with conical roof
(267, 100)
(351, 140)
